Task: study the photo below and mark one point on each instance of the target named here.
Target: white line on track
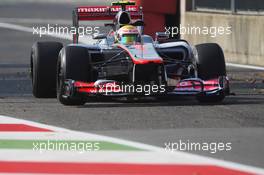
(35, 21)
(132, 157)
(245, 66)
(86, 39)
(38, 21)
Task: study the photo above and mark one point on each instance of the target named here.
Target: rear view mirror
(138, 23)
(99, 36)
(162, 36)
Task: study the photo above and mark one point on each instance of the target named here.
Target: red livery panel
(106, 12)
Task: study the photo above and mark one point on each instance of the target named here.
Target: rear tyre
(74, 64)
(43, 61)
(210, 64)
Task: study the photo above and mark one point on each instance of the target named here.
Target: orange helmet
(128, 34)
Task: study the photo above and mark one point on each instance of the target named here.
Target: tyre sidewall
(44, 57)
(73, 64)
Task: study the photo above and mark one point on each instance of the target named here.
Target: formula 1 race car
(126, 63)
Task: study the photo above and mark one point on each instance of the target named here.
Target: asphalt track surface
(239, 119)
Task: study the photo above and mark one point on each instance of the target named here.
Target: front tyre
(43, 63)
(210, 64)
(73, 64)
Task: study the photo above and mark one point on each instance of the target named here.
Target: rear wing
(92, 13)
(105, 12)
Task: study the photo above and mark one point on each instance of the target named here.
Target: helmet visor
(129, 38)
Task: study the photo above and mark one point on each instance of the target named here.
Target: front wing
(110, 88)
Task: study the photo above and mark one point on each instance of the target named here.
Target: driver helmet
(128, 34)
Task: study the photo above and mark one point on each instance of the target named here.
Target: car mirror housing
(99, 36)
(161, 36)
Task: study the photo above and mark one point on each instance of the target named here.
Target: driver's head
(128, 34)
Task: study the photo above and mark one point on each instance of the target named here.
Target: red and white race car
(126, 62)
